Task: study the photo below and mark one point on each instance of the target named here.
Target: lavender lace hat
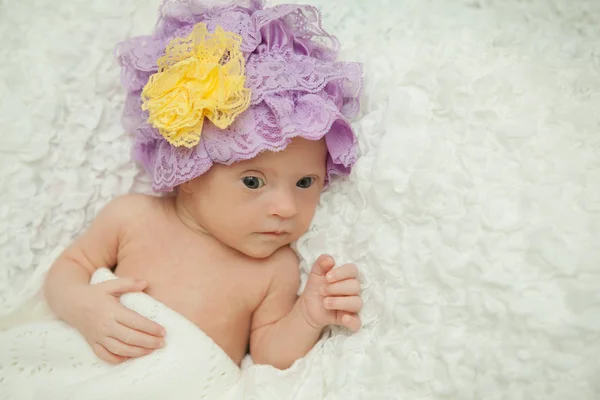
(297, 89)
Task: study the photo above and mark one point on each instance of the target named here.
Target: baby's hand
(115, 332)
(332, 296)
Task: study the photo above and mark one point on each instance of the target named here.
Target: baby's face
(260, 205)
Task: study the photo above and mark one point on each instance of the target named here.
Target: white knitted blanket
(48, 359)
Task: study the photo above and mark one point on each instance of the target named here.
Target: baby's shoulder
(130, 206)
(135, 202)
(284, 265)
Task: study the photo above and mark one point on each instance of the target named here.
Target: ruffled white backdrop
(474, 212)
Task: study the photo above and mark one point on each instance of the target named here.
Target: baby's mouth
(274, 233)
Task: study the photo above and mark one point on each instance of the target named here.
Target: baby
(240, 114)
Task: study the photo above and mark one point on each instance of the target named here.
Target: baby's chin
(262, 250)
(259, 253)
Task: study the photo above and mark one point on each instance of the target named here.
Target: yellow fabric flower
(201, 75)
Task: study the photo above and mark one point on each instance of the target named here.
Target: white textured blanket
(474, 212)
(49, 359)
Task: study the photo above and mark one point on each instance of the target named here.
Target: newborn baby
(217, 253)
(244, 124)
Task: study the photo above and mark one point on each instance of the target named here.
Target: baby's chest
(209, 290)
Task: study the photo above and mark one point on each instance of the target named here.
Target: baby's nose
(284, 204)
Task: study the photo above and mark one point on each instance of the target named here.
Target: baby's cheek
(303, 223)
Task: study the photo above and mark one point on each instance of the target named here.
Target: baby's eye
(253, 182)
(305, 182)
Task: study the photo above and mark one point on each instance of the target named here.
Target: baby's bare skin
(218, 253)
(221, 288)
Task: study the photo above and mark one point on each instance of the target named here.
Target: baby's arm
(114, 332)
(280, 334)
(285, 327)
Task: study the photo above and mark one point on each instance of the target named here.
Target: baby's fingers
(348, 287)
(344, 272)
(352, 304)
(120, 286)
(137, 322)
(136, 338)
(121, 349)
(350, 321)
(106, 355)
(323, 264)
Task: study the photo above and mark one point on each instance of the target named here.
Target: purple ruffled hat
(297, 89)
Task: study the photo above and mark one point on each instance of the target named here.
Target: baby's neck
(186, 216)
